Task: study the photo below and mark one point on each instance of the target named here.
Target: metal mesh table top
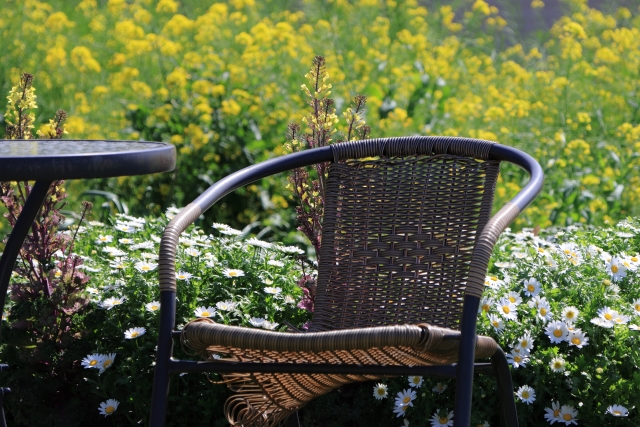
(42, 159)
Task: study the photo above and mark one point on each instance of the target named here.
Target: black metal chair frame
(462, 371)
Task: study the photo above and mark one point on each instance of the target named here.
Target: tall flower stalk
(308, 187)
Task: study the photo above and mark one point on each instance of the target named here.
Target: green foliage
(254, 279)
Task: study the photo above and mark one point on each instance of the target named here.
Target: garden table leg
(12, 249)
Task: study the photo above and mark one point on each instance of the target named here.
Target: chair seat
(264, 399)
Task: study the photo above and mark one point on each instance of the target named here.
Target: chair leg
(508, 413)
(161, 377)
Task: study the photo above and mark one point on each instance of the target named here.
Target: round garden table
(45, 161)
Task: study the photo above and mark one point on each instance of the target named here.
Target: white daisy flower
(557, 364)
(132, 333)
(143, 245)
(96, 224)
(532, 287)
(496, 322)
(205, 312)
(616, 269)
(570, 314)
(634, 260)
(618, 411)
(568, 415)
(405, 397)
(493, 282)
(92, 291)
(290, 250)
(258, 243)
(275, 263)
(552, 414)
(634, 327)
(104, 239)
(192, 252)
(526, 394)
(439, 388)
(145, 267)
(126, 228)
(400, 410)
(485, 305)
(106, 362)
(288, 299)
(517, 359)
(183, 275)
(557, 331)
(621, 319)
(91, 361)
(544, 310)
(438, 420)
(520, 255)
(380, 391)
(540, 247)
(272, 290)
(514, 297)
(257, 321)
(229, 272)
(109, 303)
(578, 338)
(113, 252)
(108, 407)
(225, 305)
(147, 255)
(525, 343)
(572, 252)
(126, 241)
(152, 306)
(636, 307)
(607, 314)
(269, 325)
(415, 381)
(230, 231)
(507, 309)
(505, 264)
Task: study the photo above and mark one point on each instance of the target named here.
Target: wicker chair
(407, 236)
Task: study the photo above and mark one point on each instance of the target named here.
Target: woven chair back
(398, 238)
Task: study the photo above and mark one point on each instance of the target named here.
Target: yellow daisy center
(494, 279)
(531, 288)
(116, 302)
(58, 274)
(637, 307)
(495, 323)
(567, 417)
(381, 391)
(506, 309)
(154, 307)
(570, 314)
(556, 413)
(543, 311)
(233, 274)
(540, 250)
(487, 308)
(557, 365)
(406, 399)
(524, 343)
(634, 259)
(517, 359)
(107, 363)
(557, 333)
(93, 362)
(109, 409)
(145, 268)
(444, 420)
(512, 299)
(134, 334)
(608, 316)
(205, 313)
(617, 413)
(416, 380)
(575, 340)
(614, 269)
(525, 394)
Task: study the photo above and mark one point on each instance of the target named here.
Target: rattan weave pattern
(404, 220)
(268, 399)
(398, 239)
